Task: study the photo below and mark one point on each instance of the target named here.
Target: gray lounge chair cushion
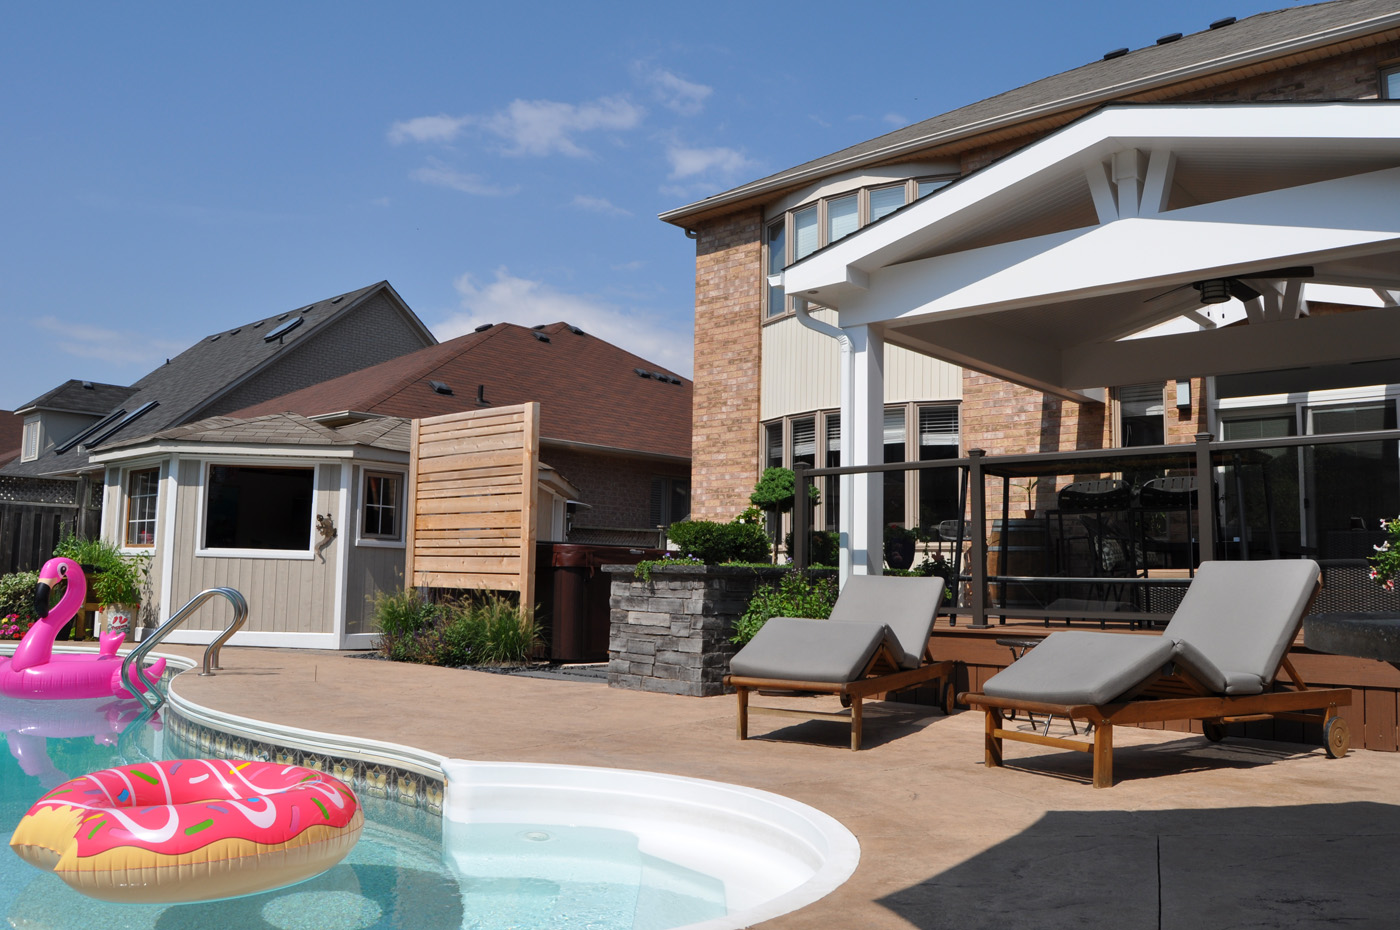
(907, 606)
(1237, 620)
(1081, 667)
(798, 649)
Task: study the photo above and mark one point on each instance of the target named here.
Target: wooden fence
(471, 503)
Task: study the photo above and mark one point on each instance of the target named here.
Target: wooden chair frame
(882, 675)
(1172, 694)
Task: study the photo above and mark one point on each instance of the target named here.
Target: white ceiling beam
(1018, 361)
(1102, 191)
(1362, 336)
(1388, 297)
(1157, 188)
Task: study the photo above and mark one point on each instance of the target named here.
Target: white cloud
(440, 128)
(441, 175)
(676, 93)
(599, 205)
(718, 162)
(895, 119)
(124, 349)
(509, 299)
(635, 264)
(542, 127)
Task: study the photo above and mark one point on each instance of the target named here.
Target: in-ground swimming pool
(541, 846)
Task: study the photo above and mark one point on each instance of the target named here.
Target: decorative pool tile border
(374, 779)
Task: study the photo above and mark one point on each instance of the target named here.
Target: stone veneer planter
(671, 633)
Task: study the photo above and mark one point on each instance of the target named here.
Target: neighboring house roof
(75, 396)
(278, 429)
(193, 381)
(1255, 44)
(589, 391)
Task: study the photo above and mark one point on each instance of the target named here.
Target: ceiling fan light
(1214, 290)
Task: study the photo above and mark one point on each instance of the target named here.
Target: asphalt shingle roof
(75, 396)
(281, 429)
(202, 372)
(589, 390)
(1259, 37)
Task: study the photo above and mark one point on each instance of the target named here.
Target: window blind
(833, 432)
(938, 426)
(885, 200)
(804, 438)
(804, 228)
(842, 217)
(1142, 400)
(894, 426)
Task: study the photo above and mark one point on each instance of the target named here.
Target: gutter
(776, 183)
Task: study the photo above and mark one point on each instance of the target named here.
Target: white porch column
(862, 443)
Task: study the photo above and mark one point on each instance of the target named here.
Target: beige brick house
(859, 244)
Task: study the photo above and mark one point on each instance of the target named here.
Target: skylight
(284, 329)
(129, 418)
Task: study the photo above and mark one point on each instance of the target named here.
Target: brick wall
(373, 332)
(728, 304)
(617, 487)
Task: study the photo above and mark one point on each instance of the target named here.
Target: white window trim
(297, 555)
(380, 542)
(124, 509)
(30, 440)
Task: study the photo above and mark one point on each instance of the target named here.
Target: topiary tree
(775, 494)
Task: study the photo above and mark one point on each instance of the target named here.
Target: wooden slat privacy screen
(471, 501)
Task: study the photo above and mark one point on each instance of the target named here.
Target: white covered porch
(1140, 243)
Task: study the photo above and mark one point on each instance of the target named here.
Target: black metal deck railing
(1224, 482)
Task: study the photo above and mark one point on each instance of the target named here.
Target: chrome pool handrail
(211, 654)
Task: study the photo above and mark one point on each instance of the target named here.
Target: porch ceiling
(1037, 267)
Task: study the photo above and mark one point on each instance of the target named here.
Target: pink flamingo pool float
(35, 672)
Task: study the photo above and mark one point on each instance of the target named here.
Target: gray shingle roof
(205, 370)
(280, 429)
(1248, 41)
(74, 396)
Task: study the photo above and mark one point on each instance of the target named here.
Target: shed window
(383, 504)
(142, 492)
(30, 443)
(252, 507)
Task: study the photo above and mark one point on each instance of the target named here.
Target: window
(29, 450)
(142, 492)
(383, 506)
(670, 500)
(1390, 83)
(831, 497)
(1142, 414)
(938, 488)
(813, 226)
(257, 508)
(894, 480)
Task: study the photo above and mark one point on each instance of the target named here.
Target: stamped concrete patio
(1194, 835)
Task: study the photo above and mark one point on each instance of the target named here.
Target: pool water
(496, 876)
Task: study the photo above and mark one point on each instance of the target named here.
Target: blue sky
(169, 170)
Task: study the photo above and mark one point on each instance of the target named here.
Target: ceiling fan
(1220, 290)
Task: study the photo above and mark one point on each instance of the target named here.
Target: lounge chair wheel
(1336, 738)
(1214, 730)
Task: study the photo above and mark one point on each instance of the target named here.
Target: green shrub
(794, 595)
(113, 578)
(826, 548)
(481, 629)
(402, 611)
(17, 595)
(715, 543)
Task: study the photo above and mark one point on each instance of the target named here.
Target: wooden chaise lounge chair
(1216, 662)
(876, 641)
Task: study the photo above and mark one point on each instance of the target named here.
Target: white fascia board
(1082, 144)
(1354, 215)
(208, 449)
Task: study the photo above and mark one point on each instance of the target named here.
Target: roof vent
(257, 324)
(440, 387)
(538, 326)
(216, 338)
(283, 330)
(283, 317)
(483, 327)
(576, 331)
(642, 372)
(307, 308)
(87, 385)
(541, 337)
(336, 300)
(481, 400)
(1169, 38)
(235, 332)
(1116, 53)
(1222, 23)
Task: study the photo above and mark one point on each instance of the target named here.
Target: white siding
(801, 371)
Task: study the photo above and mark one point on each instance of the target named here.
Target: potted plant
(114, 580)
(899, 546)
(1029, 488)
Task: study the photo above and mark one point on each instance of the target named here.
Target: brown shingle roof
(589, 390)
(282, 429)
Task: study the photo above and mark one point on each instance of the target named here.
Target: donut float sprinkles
(190, 830)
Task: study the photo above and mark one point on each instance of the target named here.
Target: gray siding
(284, 595)
(370, 570)
(373, 332)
